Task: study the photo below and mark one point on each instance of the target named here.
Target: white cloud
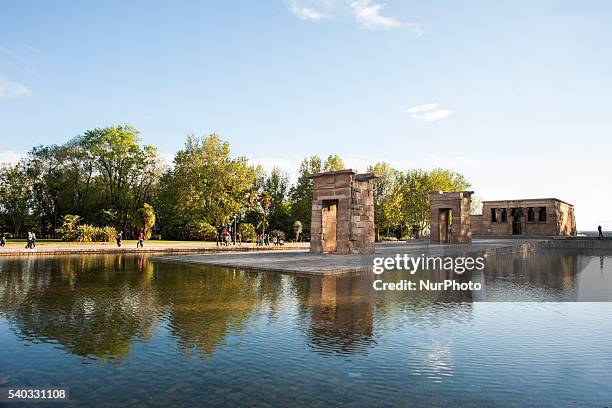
(429, 112)
(306, 13)
(10, 89)
(422, 108)
(368, 15)
(432, 116)
(10, 157)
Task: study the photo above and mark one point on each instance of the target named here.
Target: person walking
(600, 231)
(33, 241)
(119, 239)
(2, 240)
(218, 236)
(140, 243)
(239, 238)
(29, 244)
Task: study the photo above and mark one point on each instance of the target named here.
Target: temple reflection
(342, 314)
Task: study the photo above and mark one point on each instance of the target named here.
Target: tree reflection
(93, 307)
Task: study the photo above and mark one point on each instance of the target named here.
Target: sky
(516, 95)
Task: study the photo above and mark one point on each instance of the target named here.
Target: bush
(68, 230)
(144, 220)
(105, 234)
(389, 238)
(85, 233)
(247, 232)
(71, 231)
(201, 231)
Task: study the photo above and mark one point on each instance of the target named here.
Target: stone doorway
(517, 225)
(329, 218)
(517, 228)
(445, 224)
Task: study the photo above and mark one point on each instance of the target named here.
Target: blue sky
(515, 95)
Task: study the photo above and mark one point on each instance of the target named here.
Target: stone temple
(530, 217)
(451, 221)
(450, 217)
(342, 213)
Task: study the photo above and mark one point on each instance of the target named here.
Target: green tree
(387, 198)
(416, 185)
(333, 163)
(144, 219)
(205, 184)
(15, 194)
(277, 185)
(126, 172)
(301, 193)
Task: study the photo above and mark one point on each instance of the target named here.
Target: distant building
(531, 217)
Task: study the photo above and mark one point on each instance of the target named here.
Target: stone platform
(304, 262)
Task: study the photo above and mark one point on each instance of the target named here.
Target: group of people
(264, 240)
(139, 244)
(224, 238)
(31, 240)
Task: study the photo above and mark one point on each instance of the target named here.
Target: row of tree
(108, 178)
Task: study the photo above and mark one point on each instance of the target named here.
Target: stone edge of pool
(305, 263)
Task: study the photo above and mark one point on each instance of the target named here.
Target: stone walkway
(303, 262)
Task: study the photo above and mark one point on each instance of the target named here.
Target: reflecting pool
(123, 330)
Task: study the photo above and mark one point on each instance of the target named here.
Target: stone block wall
(353, 195)
(560, 219)
(459, 203)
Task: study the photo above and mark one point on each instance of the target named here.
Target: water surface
(122, 330)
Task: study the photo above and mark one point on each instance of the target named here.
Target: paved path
(303, 262)
(150, 247)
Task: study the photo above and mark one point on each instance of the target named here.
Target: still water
(123, 330)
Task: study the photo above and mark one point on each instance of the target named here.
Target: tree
(265, 200)
(387, 198)
(301, 193)
(333, 163)
(144, 219)
(416, 185)
(277, 185)
(15, 194)
(126, 172)
(206, 184)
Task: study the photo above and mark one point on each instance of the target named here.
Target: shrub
(71, 231)
(105, 234)
(247, 231)
(144, 219)
(389, 238)
(201, 231)
(85, 233)
(68, 230)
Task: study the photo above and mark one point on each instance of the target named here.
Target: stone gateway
(342, 213)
